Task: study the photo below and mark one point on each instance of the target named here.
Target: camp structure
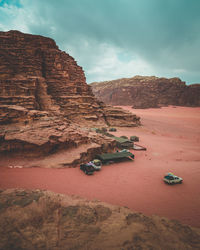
(123, 143)
(115, 157)
(138, 147)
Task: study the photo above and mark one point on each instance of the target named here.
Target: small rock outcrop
(35, 219)
(45, 101)
(147, 92)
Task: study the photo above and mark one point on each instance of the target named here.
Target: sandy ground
(172, 138)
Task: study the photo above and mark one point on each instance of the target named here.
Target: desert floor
(172, 138)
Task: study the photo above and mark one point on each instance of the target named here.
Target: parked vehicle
(96, 164)
(170, 178)
(87, 169)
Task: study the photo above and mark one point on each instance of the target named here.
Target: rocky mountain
(147, 92)
(45, 101)
(36, 75)
(44, 220)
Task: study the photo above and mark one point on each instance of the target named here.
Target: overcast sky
(112, 39)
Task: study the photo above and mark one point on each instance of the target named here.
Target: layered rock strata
(45, 100)
(45, 220)
(147, 92)
(50, 141)
(36, 75)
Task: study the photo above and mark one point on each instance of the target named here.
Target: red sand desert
(172, 138)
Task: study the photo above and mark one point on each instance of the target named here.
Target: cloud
(112, 65)
(117, 38)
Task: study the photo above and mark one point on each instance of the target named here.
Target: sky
(113, 39)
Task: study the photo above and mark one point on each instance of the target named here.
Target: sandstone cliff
(36, 75)
(44, 220)
(45, 101)
(147, 92)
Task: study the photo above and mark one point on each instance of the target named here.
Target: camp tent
(123, 143)
(116, 157)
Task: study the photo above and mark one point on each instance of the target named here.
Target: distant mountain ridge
(147, 92)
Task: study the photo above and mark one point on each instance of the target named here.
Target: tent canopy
(114, 156)
(121, 140)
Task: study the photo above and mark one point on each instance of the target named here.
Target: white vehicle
(170, 178)
(96, 164)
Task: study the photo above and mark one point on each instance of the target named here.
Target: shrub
(112, 129)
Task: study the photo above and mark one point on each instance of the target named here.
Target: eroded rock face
(147, 92)
(45, 101)
(41, 219)
(38, 135)
(35, 74)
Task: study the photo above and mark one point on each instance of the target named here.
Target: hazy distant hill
(147, 92)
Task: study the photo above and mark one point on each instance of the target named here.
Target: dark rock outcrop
(45, 220)
(147, 92)
(45, 101)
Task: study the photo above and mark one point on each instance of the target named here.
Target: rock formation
(147, 92)
(43, 94)
(36, 75)
(45, 220)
